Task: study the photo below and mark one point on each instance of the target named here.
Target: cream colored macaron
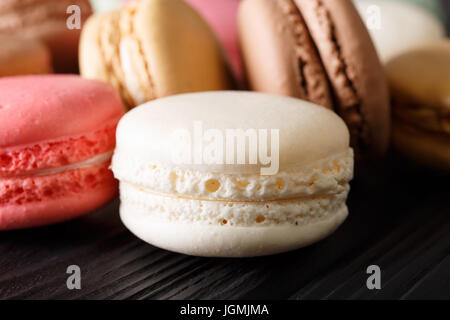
(152, 49)
(232, 174)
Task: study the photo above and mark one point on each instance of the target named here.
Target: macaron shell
(40, 200)
(21, 57)
(22, 160)
(222, 16)
(279, 54)
(98, 56)
(227, 241)
(426, 147)
(307, 133)
(421, 76)
(152, 49)
(403, 26)
(46, 21)
(40, 108)
(354, 71)
(181, 50)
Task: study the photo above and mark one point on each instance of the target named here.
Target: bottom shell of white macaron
(230, 229)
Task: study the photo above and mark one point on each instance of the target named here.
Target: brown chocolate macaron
(321, 51)
(48, 21)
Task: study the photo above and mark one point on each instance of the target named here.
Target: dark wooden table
(399, 220)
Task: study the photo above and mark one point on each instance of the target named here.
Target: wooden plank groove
(398, 220)
(348, 279)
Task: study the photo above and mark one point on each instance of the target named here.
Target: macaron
(47, 21)
(152, 49)
(320, 51)
(20, 57)
(232, 174)
(420, 88)
(56, 143)
(398, 26)
(222, 17)
(106, 5)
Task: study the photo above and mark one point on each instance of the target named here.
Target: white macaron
(232, 174)
(398, 26)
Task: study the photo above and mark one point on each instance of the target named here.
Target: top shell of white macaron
(191, 131)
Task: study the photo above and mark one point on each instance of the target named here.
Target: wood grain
(399, 219)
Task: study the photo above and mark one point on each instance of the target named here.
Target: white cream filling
(98, 159)
(147, 205)
(328, 176)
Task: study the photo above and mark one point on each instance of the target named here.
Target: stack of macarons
(218, 173)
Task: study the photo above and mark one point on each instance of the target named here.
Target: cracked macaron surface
(56, 142)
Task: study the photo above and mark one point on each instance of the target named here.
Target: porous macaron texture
(41, 200)
(232, 209)
(58, 132)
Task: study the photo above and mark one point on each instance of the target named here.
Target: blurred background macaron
(23, 56)
(151, 49)
(319, 51)
(420, 87)
(47, 21)
(100, 6)
(397, 26)
(222, 17)
(56, 141)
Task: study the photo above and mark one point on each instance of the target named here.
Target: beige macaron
(152, 49)
(420, 87)
(232, 174)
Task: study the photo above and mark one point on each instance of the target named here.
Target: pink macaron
(56, 140)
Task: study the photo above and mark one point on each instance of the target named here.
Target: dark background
(399, 220)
